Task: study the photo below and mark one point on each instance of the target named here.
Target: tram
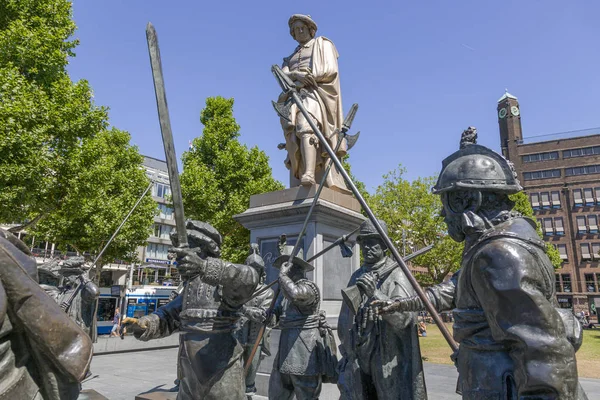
(138, 301)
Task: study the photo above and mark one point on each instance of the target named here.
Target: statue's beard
(455, 228)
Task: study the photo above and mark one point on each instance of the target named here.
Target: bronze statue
(314, 69)
(77, 295)
(515, 343)
(254, 315)
(381, 357)
(207, 312)
(43, 354)
(306, 354)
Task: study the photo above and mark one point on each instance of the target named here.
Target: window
(545, 197)
(581, 228)
(585, 251)
(596, 250)
(158, 251)
(597, 191)
(535, 201)
(552, 155)
(558, 226)
(555, 197)
(161, 190)
(166, 212)
(582, 152)
(562, 250)
(162, 231)
(585, 170)
(557, 283)
(588, 197)
(566, 280)
(548, 229)
(550, 173)
(590, 284)
(577, 197)
(593, 223)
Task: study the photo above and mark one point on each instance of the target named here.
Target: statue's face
(452, 219)
(301, 32)
(373, 249)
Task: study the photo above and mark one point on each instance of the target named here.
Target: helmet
(477, 167)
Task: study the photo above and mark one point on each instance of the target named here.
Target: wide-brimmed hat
(298, 261)
(304, 18)
(367, 230)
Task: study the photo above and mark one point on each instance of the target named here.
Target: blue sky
(421, 71)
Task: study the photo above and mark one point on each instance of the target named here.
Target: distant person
(116, 323)
(422, 329)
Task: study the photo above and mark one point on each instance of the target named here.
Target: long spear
(289, 87)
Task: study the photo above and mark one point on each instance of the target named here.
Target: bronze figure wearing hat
(207, 313)
(515, 342)
(254, 314)
(381, 357)
(306, 354)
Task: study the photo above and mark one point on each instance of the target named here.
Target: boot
(309, 158)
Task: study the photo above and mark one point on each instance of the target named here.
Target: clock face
(502, 113)
(514, 110)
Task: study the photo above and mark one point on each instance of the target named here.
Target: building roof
(155, 163)
(506, 95)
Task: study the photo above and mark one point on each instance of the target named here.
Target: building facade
(562, 179)
(156, 265)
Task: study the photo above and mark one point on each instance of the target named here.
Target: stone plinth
(283, 212)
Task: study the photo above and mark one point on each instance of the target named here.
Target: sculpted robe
(324, 103)
(381, 358)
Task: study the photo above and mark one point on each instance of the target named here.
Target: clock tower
(509, 119)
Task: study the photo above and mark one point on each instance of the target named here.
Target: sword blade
(167, 134)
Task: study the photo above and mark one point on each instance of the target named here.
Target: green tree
(43, 115)
(523, 206)
(61, 169)
(107, 186)
(412, 214)
(220, 174)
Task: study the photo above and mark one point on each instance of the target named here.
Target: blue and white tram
(139, 301)
(144, 300)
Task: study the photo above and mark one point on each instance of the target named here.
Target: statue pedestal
(284, 211)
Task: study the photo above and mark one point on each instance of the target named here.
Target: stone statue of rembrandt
(313, 68)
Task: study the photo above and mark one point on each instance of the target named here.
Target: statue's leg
(280, 386)
(308, 148)
(252, 370)
(307, 387)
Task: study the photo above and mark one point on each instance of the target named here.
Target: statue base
(284, 211)
(90, 394)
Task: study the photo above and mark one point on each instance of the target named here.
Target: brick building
(562, 179)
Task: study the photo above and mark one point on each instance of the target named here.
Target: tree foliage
(410, 207)
(220, 174)
(59, 162)
(523, 206)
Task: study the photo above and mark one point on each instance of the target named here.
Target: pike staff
(290, 88)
